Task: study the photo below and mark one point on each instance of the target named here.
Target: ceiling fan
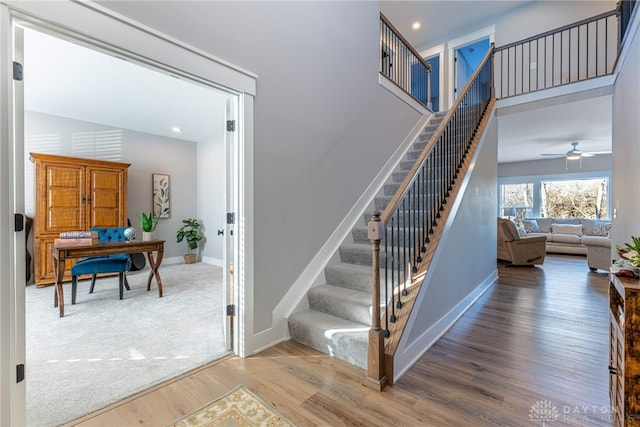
(574, 153)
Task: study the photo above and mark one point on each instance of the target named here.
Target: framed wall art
(161, 196)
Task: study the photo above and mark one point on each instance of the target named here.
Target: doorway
(466, 59)
(56, 125)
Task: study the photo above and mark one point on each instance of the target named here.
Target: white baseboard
(213, 261)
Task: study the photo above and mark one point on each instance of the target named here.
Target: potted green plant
(148, 224)
(190, 232)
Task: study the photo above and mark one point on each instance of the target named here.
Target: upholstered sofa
(579, 236)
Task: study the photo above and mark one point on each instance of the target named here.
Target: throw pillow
(601, 228)
(575, 229)
(531, 226)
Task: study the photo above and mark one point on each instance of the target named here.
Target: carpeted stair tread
(341, 338)
(352, 276)
(356, 253)
(341, 302)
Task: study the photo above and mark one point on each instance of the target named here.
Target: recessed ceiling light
(416, 25)
(176, 129)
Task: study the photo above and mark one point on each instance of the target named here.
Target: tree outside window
(585, 198)
(520, 198)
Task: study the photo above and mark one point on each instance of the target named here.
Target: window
(577, 196)
(519, 197)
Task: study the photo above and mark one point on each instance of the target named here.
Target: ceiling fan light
(574, 155)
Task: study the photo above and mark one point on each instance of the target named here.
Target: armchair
(120, 263)
(519, 250)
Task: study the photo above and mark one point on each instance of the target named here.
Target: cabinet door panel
(107, 197)
(62, 199)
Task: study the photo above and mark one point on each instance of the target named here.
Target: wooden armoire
(73, 194)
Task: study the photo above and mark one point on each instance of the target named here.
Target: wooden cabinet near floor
(624, 354)
(73, 194)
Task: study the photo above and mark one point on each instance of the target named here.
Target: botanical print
(161, 205)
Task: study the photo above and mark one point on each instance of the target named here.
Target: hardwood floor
(537, 340)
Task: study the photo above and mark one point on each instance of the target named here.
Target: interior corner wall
(324, 127)
(466, 257)
(626, 145)
(147, 154)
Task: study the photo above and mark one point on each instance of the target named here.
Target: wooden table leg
(155, 264)
(58, 296)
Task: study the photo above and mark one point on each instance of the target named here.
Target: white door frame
(437, 51)
(12, 251)
(455, 44)
(105, 29)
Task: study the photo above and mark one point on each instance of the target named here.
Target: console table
(61, 253)
(624, 354)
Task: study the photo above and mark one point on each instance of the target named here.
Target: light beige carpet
(238, 408)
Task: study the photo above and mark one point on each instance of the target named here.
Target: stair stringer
(313, 275)
(401, 352)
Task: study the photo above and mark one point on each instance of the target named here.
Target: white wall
(626, 144)
(147, 154)
(323, 125)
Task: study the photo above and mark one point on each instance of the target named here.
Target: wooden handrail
(411, 176)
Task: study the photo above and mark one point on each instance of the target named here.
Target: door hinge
(17, 71)
(231, 125)
(20, 372)
(231, 310)
(231, 218)
(19, 222)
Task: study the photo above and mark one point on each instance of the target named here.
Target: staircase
(339, 315)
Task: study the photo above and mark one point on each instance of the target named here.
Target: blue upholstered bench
(120, 263)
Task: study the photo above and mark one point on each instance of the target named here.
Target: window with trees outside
(554, 198)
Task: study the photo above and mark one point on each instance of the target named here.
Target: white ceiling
(551, 129)
(69, 80)
(443, 20)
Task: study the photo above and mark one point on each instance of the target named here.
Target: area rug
(238, 408)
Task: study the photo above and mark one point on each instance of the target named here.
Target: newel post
(376, 377)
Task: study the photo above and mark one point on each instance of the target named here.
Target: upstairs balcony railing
(403, 65)
(575, 52)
